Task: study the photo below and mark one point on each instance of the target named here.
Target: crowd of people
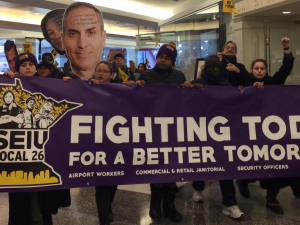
(220, 69)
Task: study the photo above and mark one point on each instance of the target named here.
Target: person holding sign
(83, 38)
(258, 77)
(123, 73)
(212, 75)
(104, 194)
(163, 73)
(24, 206)
(48, 58)
(29, 208)
(232, 71)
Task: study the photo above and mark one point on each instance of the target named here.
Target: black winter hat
(211, 61)
(47, 56)
(45, 64)
(118, 55)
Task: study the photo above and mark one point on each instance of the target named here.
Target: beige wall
(250, 34)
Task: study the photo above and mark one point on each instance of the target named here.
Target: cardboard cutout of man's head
(11, 54)
(83, 37)
(51, 26)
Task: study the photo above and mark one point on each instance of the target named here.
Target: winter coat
(210, 80)
(279, 77)
(125, 69)
(235, 79)
(158, 76)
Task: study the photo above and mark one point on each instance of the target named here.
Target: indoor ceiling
(293, 7)
(121, 17)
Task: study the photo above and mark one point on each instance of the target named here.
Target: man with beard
(163, 73)
(232, 71)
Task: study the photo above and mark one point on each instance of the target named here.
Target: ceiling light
(205, 41)
(286, 12)
(134, 7)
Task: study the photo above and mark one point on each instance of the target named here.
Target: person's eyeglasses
(102, 71)
(228, 47)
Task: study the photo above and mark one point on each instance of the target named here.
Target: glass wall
(195, 36)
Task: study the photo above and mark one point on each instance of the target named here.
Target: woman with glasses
(104, 194)
(103, 73)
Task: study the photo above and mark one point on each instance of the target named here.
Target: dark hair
(5, 93)
(119, 55)
(111, 70)
(259, 60)
(230, 42)
(56, 16)
(31, 98)
(220, 50)
(144, 65)
(10, 44)
(78, 5)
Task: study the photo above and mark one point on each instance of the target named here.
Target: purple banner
(56, 134)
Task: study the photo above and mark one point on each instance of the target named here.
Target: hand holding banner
(114, 134)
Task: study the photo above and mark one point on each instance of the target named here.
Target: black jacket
(279, 77)
(127, 70)
(210, 81)
(158, 76)
(235, 79)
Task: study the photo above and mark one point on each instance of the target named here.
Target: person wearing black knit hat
(28, 207)
(212, 75)
(122, 73)
(45, 69)
(56, 73)
(163, 73)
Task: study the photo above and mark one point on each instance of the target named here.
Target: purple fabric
(152, 105)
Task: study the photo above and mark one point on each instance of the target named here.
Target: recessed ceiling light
(286, 12)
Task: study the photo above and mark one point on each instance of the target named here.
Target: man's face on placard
(83, 39)
(10, 56)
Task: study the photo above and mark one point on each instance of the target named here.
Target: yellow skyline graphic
(16, 178)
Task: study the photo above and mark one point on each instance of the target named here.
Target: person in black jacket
(232, 71)
(212, 75)
(163, 73)
(104, 194)
(122, 73)
(259, 69)
(27, 208)
(259, 76)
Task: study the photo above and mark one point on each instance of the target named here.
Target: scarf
(229, 59)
